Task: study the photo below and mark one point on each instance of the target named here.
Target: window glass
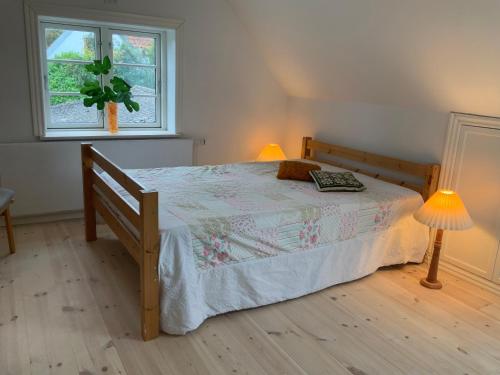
(66, 44)
(69, 110)
(141, 78)
(145, 116)
(135, 55)
(132, 49)
(134, 59)
(67, 77)
(67, 52)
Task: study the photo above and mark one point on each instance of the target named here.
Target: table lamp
(444, 210)
(271, 152)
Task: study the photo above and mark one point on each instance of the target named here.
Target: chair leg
(10, 231)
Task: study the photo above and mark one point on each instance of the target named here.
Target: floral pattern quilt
(242, 212)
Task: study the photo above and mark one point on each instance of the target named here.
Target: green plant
(119, 92)
(66, 77)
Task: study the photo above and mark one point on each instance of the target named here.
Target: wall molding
(450, 157)
(458, 126)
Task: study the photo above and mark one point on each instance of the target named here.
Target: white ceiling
(438, 54)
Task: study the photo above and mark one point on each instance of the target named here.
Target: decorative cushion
(336, 181)
(296, 170)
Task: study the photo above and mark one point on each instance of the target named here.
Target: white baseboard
(470, 277)
(46, 218)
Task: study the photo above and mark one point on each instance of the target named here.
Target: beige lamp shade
(271, 152)
(444, 210)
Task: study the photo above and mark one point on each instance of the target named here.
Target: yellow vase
(112, 108)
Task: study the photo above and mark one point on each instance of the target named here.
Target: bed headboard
(428, 173)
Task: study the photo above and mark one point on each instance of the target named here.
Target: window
(144, 56)
(67, 50)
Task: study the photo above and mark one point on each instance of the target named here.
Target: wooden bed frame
(145, 249)
(143, 243)
(429, 173)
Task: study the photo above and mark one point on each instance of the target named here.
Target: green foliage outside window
(70, 77)
(66, 77)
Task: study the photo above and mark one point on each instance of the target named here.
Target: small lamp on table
(271, 152)
(444, 210)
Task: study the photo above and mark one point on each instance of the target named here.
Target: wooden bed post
(431, 180)
(306, 151)
(150, 248)
(88, 204)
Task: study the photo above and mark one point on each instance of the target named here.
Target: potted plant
(107, 96)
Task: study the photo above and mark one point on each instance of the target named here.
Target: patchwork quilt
(234, 236)
(239, 212)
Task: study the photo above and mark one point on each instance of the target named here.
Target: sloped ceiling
(442, 55)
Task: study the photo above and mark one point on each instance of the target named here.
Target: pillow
(296, 170)
(336, 181)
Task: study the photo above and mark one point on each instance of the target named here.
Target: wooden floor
(67, 307)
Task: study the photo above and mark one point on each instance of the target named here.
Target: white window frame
(168, 56)
(54, 127)
(160, 38)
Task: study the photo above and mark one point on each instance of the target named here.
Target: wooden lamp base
(431, 285)
(431, 280)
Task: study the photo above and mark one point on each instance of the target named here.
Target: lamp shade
(271, 152)
(444, 210)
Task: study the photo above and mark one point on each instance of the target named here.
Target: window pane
(70, 44)
(132, 49)
(146, 114)
(141, 78)
(65, 109)
(67, 77)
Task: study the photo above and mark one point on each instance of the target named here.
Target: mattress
(235, 237)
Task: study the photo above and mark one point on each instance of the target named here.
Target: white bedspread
(235, 237)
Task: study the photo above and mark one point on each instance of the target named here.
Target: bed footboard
(136, 229)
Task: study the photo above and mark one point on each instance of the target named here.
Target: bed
(214, 239)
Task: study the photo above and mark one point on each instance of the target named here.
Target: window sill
(99, 134)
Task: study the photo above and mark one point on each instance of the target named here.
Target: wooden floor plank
(339, 336)
(397, 322)
(14, 346)
(114, 279)
(68, 306)
(469, 326)
(492, 310)
(480, 321)
(258, 344)
(305, 348)
(91, 343)
(468, 293)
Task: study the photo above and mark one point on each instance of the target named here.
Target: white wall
(47, 176)
(229, 97)
(406, 133)
(380, 74)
